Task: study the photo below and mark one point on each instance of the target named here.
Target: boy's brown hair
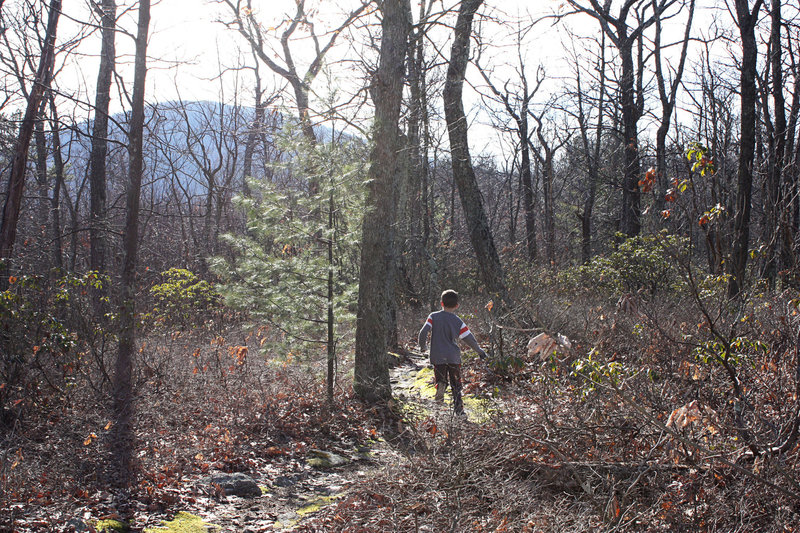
(449, 298)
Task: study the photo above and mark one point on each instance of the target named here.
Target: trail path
(293, 491)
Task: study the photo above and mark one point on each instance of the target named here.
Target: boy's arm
(467, 336)
(473, 343)
(422, 338)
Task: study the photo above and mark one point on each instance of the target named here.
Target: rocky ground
(291, 492)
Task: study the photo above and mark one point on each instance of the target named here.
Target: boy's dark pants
(452, 371)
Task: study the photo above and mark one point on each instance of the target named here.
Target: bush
(642, 263)
(44, 332)
(182, 299)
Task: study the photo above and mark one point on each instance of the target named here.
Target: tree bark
(123, 435)
(592, 153)
(463, 173)
(746, 20)
(371, 380)
(97, 161)
(777, 211)
(668, 99)
(55, 202)
(16, 181)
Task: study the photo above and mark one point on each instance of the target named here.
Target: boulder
(323, 459)
(235, 484)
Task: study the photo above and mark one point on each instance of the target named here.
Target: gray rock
(323, 459)
(236, 484)
(78, 525)
(284, 481)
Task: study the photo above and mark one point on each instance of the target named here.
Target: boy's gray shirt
(446, 329)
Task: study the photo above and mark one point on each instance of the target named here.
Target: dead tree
(123, 434)
(463, 173)
(245, 22)
(16, 180)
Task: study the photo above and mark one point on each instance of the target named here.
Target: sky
(188, 47)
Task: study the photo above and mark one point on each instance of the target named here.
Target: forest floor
(547, 445)
(278, 430)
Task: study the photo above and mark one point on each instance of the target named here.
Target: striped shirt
(446, 329)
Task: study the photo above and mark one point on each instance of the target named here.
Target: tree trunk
(527, 183)
(463, 173)
(40, 142)
(371, 380)
(592, 154)
(55, 202)
(630, 219)
(16, 180)
(97, 161)
(776, 209)
(741, 236)
(123, 436)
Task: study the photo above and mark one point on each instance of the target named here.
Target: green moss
(423, 383)
(109, 525)
(183, 523)
(316, 504)
(325, 460)
(478, 410)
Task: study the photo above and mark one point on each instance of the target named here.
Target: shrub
(47, 328)
(182, 299)
(642, 263)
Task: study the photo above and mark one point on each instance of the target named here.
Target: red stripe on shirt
(464, 330)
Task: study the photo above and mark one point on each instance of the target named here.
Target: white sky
(188, 47)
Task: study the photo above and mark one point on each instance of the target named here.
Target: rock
(236, 484)
(323, 459)
(111, 525)
(284, 481)
(76, 524)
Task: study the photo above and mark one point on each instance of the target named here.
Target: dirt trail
(293, 492)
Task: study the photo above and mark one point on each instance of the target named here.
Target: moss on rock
(184, 523)
(109, 525)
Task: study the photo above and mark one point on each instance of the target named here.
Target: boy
(446, 328)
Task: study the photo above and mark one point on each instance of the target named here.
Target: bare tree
(746, 20)
(625, 36)
(667, 93)
(246, 23)
(16, 180)
(371, 381)
(107, 11)
(546, 158)
(591, 147)
(122, 441)
(463, 173)
(516, 102)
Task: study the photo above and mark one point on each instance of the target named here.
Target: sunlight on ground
(184, 523)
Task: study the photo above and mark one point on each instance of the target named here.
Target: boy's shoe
(439, 392)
